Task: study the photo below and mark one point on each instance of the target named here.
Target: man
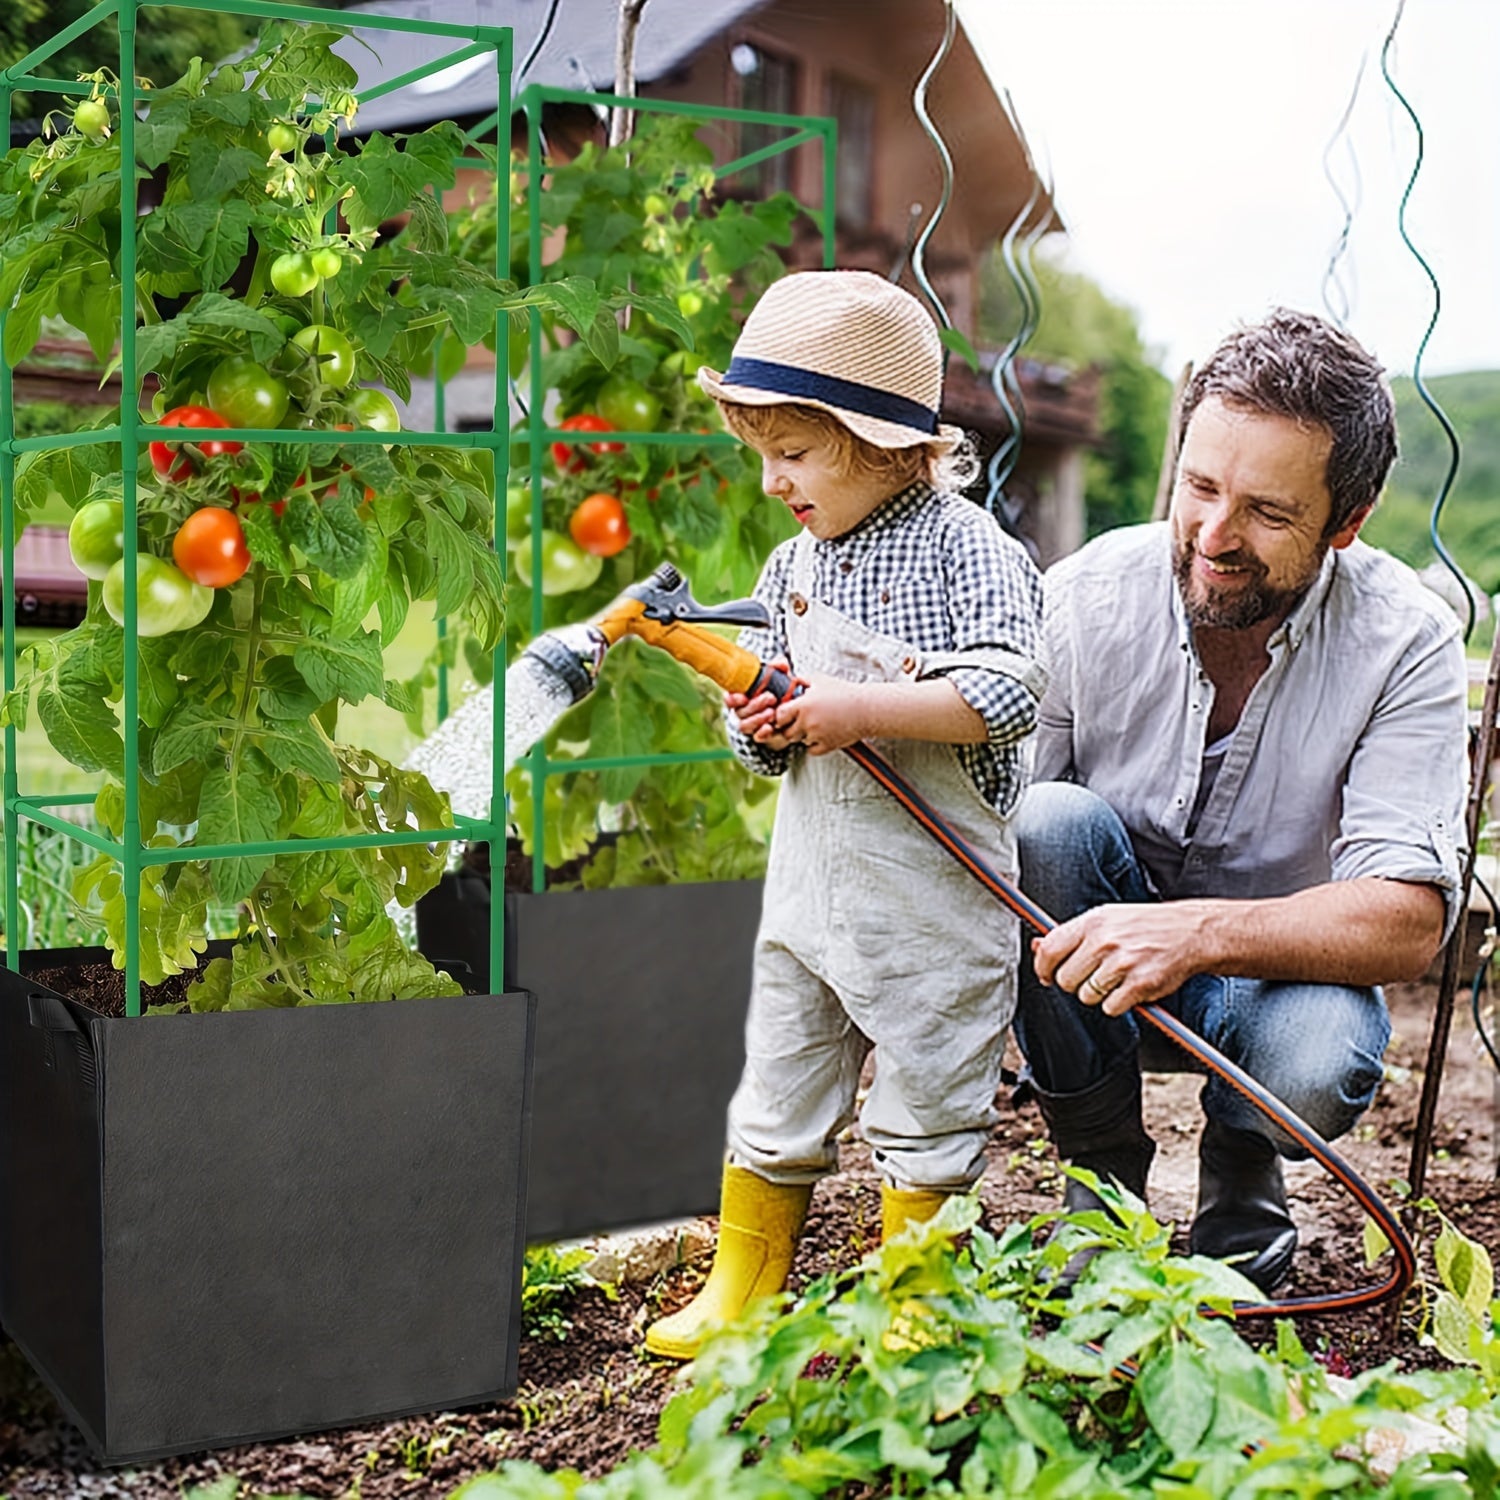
(1250, 783)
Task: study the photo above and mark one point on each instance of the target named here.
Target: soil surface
(593, 1399)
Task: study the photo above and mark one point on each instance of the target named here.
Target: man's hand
(1357, 932)
(1121, 956)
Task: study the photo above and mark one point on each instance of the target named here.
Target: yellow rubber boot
(759, 1223)
(902, 1206)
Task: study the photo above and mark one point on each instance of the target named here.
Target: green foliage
(238, 735)
(1402, 521)
(945, 1365)
(167, 41)
(647, 218)
(1079, 326)
(550, 1279)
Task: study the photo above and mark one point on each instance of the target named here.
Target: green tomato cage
(131, 853)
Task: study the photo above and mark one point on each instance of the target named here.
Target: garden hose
(661, 611)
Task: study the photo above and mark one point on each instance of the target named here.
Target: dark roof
(579, 52)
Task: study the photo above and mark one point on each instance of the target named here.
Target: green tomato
(656, 205)
(91, 118)
(627, 405)
(326, 261)
(372, 408)
(292, 274)
(566, 567)
(246, 394)
(690, 302)
(281, 138)
(96, 537)
(166, 599)
(517, 516)
(333, 352)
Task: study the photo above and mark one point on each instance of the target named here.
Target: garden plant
(284, 283)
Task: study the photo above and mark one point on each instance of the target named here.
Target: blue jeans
(1317, 1047)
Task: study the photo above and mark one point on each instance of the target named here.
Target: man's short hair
(1297, 365)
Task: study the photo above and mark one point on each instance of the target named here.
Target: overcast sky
(1187, 140)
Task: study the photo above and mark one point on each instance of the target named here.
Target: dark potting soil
(594, 1398)
(101, 987)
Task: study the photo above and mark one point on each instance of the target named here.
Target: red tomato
(599, 526)
(164, 456)
(570, 457)
(210, 547)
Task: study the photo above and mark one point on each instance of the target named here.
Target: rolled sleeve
(1403, 804)
(995, 604)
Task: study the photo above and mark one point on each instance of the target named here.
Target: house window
(852, 105)
(768, 82)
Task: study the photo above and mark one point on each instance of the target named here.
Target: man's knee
(1327, 1066)
(1073, 850)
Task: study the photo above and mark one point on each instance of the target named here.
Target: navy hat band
(847, 395)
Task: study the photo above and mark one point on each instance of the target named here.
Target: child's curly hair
(952, 471)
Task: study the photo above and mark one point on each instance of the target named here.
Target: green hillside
(1470, 521)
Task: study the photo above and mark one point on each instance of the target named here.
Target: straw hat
(849, 343)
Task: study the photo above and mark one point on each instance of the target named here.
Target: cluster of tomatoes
(209, 550)
(597, 525)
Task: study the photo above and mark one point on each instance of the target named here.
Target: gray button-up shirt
(1349, 758)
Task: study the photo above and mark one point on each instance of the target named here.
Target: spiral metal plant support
(1437, 304)
(1004, 378)
(1336, 297)
(919, 104)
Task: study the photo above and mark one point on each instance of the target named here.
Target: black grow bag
(641, 998)
(218, 1229)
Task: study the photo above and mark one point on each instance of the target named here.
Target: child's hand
(757, 715)
(829, 714)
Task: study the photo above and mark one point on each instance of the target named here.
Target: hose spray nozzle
(660, 610)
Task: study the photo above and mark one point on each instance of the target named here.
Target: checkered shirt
(936, 571)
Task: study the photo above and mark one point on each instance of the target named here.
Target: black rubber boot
(1242, 1205)
(1100, 1128)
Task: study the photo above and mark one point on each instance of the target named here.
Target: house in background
(858, 61)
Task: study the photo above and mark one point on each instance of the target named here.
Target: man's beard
(1243, 606)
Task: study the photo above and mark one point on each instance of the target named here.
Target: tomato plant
(238, 709)
(652, 213)
(96, 537)
(247, 394)
(210, 548)
(599, 526)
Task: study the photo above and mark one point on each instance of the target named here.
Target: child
(913, 618)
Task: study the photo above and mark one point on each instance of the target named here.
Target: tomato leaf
(349, 669)
(331, 536)
(239, 806)
(80, 725)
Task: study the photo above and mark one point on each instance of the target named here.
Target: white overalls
(871, 934)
